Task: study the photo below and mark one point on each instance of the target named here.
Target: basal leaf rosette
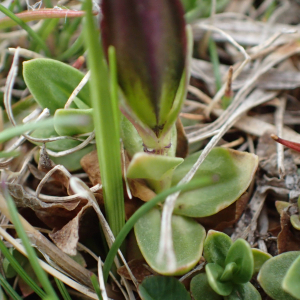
(151, 49)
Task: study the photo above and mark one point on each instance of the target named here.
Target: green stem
(194, 184)
(107, 126)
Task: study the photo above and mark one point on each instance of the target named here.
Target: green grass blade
(215, 62)
(194, 184)
(95, 283)
(62, 289)
(106, 123)
(8, 288)
(40, 273)
(29, 30)
(22, 273)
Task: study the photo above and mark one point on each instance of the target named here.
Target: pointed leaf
(188, 238)
(260, 257)
(163, 288)
(150, 42)
(149, 166)
(241, 254)
(201, 289)
(86, 115)
(235, 171)
(291, 280)
(273, 273)
(216, 247)
(244, 291)
(52, 82)
(214, 272)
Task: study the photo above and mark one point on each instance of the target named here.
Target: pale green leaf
(273, 273)
(291, 280)
(188, 237)
(214, 272)
(234, 170)
(260, 257)
(216, 247)
(52, 82)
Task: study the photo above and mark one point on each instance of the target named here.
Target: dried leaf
(67, 237)
(139, 269)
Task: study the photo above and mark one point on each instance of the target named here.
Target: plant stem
(107, 126)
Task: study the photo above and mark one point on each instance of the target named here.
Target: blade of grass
(194, 184)
(62, 289)
(95, 283)
(107, 126)
(22, 273)
(8, 288)
(32, 257)
(29, 30)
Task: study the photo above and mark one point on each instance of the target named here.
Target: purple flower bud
(151, 47)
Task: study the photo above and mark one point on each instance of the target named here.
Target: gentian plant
(147, 47)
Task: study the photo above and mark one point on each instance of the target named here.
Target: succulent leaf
(260, 257)
(241, 254)
(163, 288)
(216, 247)
(273, 273)
(201, 289)
(244, 291)
(291, 280)
(188, 237)
(235, 171)
(151, 48)
(214, 273)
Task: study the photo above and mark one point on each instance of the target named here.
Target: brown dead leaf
(288, 238)
(139, 269)
(226, 217)
(67, 237)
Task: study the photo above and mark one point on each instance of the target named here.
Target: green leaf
(216, 247)
(201, 289)
(273, 273)
(149, 166)
(295, 221)
(214, 272)
(8, 268)
(240, 253)
(74, 127)
(291, 280)
(188, 238)
(162, 288)
(235, 171)
(260, 257)
(244, 291)
(52, 82)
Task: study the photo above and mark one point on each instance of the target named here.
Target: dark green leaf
(241, 254)
(244, 291)
(201, 289)
(163, 288)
